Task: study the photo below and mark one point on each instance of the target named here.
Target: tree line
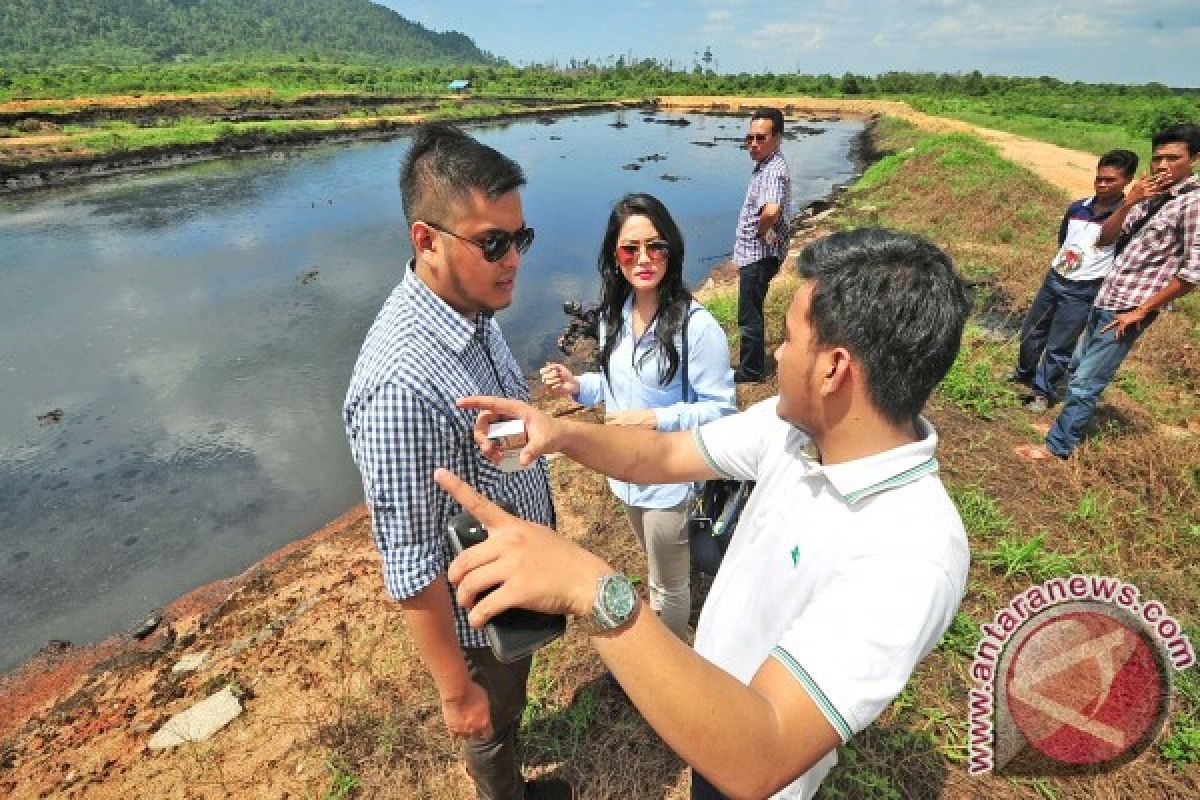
(98, 32)
(1140, 109)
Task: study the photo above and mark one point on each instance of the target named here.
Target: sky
(1103, 41)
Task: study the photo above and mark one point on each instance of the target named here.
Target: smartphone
(517, 632)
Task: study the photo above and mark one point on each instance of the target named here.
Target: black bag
(715, 507)
(712, 519)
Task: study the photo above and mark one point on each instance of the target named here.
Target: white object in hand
(510, 435)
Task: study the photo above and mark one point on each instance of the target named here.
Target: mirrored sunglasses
(656, 250)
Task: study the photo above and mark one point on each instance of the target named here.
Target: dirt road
(1072, 170)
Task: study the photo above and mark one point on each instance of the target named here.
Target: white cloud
(975, 28)
(787, 34)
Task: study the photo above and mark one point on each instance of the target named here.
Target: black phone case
(517, 632)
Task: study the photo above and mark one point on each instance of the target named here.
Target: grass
(972, 383)
(1181, 748)
(723, 305)
(962, 635)
(1028, 557)
(981, 514)
(1087, 136)
(1124, 506)
(343, 783)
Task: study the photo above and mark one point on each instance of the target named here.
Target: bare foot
(1034, 452)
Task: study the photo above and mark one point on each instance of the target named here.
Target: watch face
(618, 597)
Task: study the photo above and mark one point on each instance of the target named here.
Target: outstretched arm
(748, 740)
(634, 455)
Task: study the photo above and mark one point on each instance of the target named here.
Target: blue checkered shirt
(419, 356)
(770, 183)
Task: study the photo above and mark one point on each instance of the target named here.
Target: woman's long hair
(673, 297)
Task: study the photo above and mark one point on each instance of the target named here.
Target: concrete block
(199, 722)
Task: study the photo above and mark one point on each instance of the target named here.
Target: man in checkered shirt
(1157, 235)
(761, 239)
(435, 341)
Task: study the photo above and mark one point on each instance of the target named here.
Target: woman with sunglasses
(643, 309)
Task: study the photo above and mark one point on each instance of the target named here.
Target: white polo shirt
(846, 574)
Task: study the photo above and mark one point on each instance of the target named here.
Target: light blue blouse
(635, 384)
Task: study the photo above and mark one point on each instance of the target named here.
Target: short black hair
(895, 302)
(1184, 132)
(773, 114)
(443, 164)
(1124, 160)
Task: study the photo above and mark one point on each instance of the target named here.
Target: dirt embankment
(51, 143)
(37, 153)
(1072, 170)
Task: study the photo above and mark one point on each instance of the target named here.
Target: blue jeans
(753, 281)
(1096, 362)
(1051, 329)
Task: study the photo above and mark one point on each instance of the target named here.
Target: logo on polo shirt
(1074, 675)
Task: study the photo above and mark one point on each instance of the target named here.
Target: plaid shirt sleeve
(775, 186)
(1189, 269)
(398, 441)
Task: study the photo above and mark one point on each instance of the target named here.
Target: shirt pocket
(1160, 229)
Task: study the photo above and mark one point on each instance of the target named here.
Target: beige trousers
(662, 533)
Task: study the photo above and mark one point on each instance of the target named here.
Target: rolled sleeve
(709, 377)
(400, 441)
(774, 188)
(855, 647)
(591, 388)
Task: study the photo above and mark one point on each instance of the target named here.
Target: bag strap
(1124, 240)
(684, 388)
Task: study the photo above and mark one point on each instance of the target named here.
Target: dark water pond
(197, 328)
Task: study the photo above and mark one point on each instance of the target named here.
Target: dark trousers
(703, 790)
(1048, 336)
(752, 290)
(494, 763)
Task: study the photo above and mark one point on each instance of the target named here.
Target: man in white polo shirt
(850, 559)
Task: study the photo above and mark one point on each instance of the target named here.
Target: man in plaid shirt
(1156, 231)
(433, 342)
(762, 236)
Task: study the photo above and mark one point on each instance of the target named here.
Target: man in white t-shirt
(1062, 304)
(850, 559)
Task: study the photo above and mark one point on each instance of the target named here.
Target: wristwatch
(615, 604)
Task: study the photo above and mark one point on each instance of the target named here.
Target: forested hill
(46, 32)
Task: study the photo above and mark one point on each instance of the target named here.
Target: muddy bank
(58, 170)
(52, 674)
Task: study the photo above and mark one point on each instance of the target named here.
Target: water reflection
(197, 328)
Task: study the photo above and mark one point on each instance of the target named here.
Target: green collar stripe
(707, 458)
(814, 691)
(907, 476)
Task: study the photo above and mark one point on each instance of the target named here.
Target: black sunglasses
(756, 137)
(496, 244)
